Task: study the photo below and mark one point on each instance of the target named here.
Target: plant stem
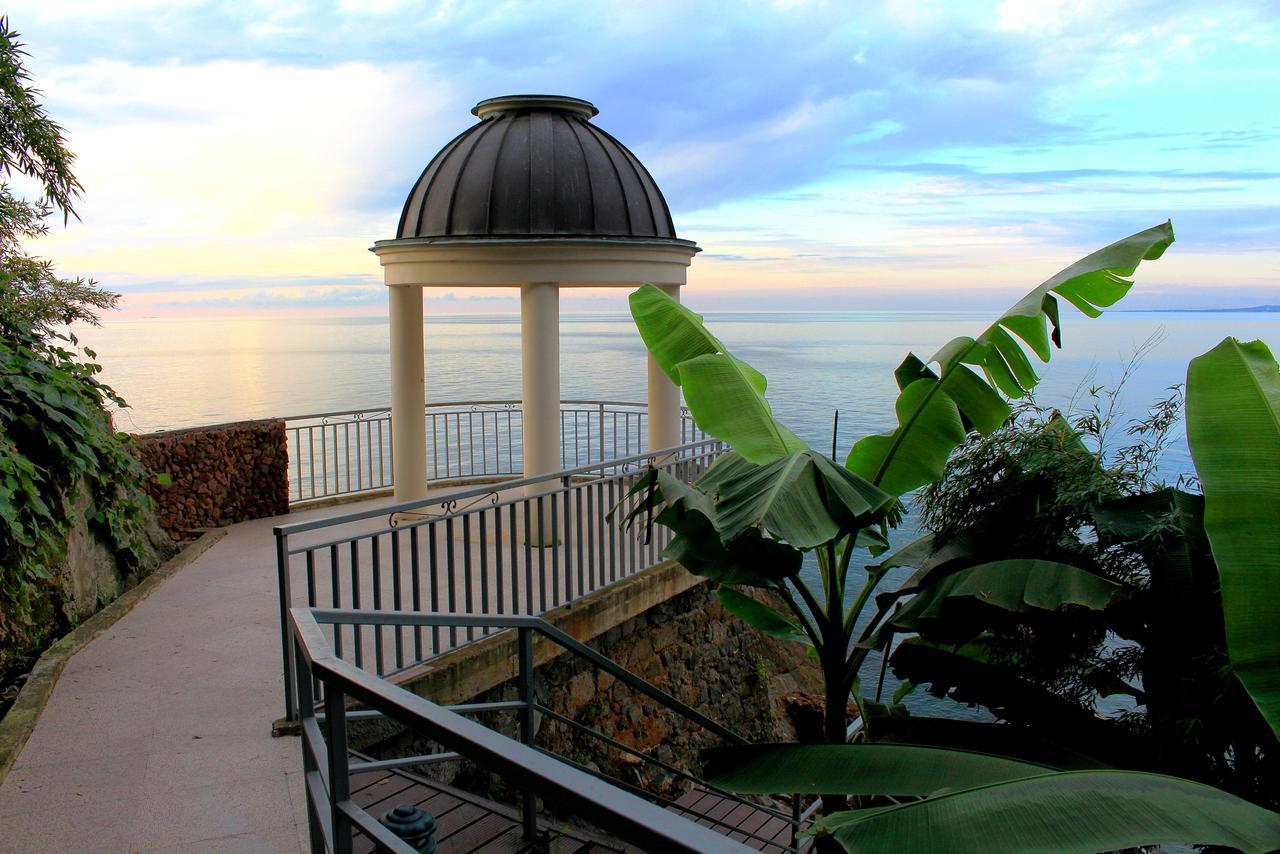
(805, 622)
(810, 602)
(855, 610)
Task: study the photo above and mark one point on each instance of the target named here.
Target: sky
(240, 158)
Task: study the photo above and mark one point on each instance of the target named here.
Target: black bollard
(413, 826)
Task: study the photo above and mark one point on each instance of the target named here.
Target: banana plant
(1233, 430)
(968, 799)
(752, 516)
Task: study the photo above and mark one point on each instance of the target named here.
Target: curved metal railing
(518, 547)
(333, 454)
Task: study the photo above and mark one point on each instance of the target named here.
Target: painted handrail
(334, 817)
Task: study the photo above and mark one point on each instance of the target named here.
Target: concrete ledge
(460, 674)
(25, 712)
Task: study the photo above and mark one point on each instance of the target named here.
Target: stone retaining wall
(217, 475)
(684, 642)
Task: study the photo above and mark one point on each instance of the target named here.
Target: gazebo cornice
(511, 262)
(548, 241)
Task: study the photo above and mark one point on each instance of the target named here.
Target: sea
(182, 372)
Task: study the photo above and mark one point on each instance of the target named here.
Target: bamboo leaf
(1064, 811)
(1233, 429)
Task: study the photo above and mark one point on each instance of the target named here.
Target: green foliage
(1064, 811)
(751, 559)
(1233, 429)
(32, 297)
(760, 616)
(957, 607)
(55, 431)
(804, 498)
(30, 141)
(1031, 489)
(963, 800)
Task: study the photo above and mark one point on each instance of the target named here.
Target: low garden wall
(207, 477)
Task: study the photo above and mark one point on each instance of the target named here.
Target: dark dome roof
(535, 166)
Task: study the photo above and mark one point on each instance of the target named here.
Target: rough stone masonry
(217, 475)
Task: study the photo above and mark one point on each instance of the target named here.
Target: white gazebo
(533, 196)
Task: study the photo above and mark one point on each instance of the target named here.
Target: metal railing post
(335, 717)
(795, 824)
(306, 702)
(529, 801)
(570, 558)
(601, 436)
(286, 601)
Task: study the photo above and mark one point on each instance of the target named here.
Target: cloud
(264, 146)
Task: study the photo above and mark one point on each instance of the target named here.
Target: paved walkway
(157, 736)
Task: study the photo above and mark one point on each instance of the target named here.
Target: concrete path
(157, 736)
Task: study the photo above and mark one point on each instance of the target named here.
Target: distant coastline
(1256, 309)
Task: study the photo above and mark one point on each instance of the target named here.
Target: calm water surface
(185, 372)
(178, 373)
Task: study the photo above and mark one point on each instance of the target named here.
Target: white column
(664, 399)
(540, 376)
(408, 393)
(540, 381)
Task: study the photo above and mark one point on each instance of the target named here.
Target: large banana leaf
(758, 615)
(751, 558)
(1065, 811)
(951, 610)
(971, 673)
(856, 769)
(1233, 428)
(725, 395)
(802, 498)
(933, 410)
(929, 560)
(999, 739)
